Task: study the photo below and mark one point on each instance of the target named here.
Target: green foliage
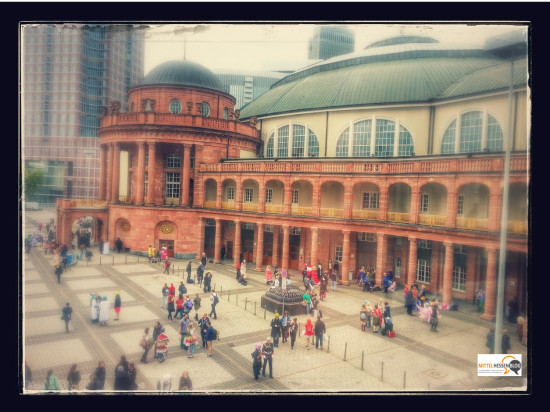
(33, 180)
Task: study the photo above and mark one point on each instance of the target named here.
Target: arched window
(175, 106)
(292, 141)
(205, 109)
(471, 136)
(225, 113)
(375, 137)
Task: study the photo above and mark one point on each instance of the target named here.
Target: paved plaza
(351, 361)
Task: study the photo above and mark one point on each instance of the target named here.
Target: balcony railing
(229, 205)
(365, 214)
(125, 199)
(432, 220)
(274, 209)
(399, 217)
(87, 204)
(472, 223)
(331, 212)
(210, 204)
(517, 227)
(250, 207)
(302, 210)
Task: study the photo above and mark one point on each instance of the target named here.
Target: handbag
(304, 302)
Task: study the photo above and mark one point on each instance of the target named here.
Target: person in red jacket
(309, 332)
(172, 290)
(376, 318)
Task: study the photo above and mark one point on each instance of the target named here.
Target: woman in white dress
(104, 311)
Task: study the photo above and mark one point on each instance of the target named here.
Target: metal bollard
(382, 372)
(221, 290)
(299, 331)
(328, 344)
(362, 360)
(245, 303)
(345, 350)
(264, 312)
(100, 259)
(404, 379)
(255, 308)
(228, 293)
(125, 259)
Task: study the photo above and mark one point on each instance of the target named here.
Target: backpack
(189, 304)
(216, 300)
(120, 373)
(363, 316)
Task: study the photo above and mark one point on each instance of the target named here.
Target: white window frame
(423, 271)
(459, 279)
(295, 196)
(370, 200)
(338, 253)
(248, 195)
(230, 193)
(424, 202)
(268, 196)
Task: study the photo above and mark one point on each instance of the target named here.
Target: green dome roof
(391, 72)
(182, 73)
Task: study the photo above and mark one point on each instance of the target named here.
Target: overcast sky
(277, 46)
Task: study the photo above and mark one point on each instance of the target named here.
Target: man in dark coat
(118, 245)
(257, 360)
(409, 302)
(276, 328)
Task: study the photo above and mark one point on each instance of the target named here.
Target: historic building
(392, 157)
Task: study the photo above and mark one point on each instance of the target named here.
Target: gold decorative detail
(125, 226)
(167, 229)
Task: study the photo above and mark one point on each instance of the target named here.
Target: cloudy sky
(278, 46)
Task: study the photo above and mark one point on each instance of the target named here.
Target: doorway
(169, 246)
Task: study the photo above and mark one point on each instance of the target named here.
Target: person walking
(118, 304)
(211, 334)
(257, 360)
(185, 383)
(97, 379)
(191, 340)
(165, 291)
(182, 290)
(179, 307)
(183, 325)
(267, 353)
(319, 330)
(172, 290)
(58, 270)
(292, 331)
(122, 380)
(214, 300)
(170, 307)
(197, 306)
(73, 378)
(146, 343)
(276, 329)
(167, 264)
(285, 325)
(66, 314)
(203, 325)
(51, 383)
(434, 318)
(308, 332)
(207, 282)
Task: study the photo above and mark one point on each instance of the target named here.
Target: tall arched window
(375, 137)
(477, 131)
(292, 141)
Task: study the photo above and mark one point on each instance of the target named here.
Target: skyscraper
(247, 87)
(330, 41)
(69, 72)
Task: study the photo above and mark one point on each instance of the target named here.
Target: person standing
(386, 313)
(146, 343)
(118, 245)
(214, 300)
(185, 383)
(267, 353)
(409, 302)
(257, 360)
(243, 269)
(157, 330)
(167, 264)
(490, 343)
(210, 335)
(505, 343)
(323, 287)
(118, 304)
(104, 311)
(122, 380)
(222, 252)
(309, 332)
(238, 268)
(200, 274)
(293, 330)
(172, 290)
(58, 270)
(363, 317)
(165, 291)
(285, 325)
(179, 307)
(207, 282)
(97, 380)
(132, 376)
(276, 329)
(188, 270)
(434, 321)
(319, 330)
(333, 279)
(66, 314)
(73, 378)
(162, 347)
(197, 306)
(182, 290)
(203, 260)
(170, 307)
(183, 325)
(191, 340)
(203, 324)
(268, 275)
(28, 376)
(376, 318)
(51, 383)
(307, 299)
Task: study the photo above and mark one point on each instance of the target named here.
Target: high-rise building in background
(247, 87)
(330, 41)
(69, 73)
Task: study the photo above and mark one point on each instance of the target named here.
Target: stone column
(383, 203)
(116, 174)
(345, 257)
(200, 248)
(218, 242)
(413, 257)
(381, 247)
(286, 247)
(102, 171)
(109, 172)
(415, 205)
(287, 205)
(259, 247)
(316, 200)
(495, 208)
(490, 285)
(237, 243)
(348, 198)
(186, 169)
(452, 206)
(275, 257)
(261, 197)
(238, 194)
(219, 194)
(448, 273)
(314, 246)
(151, 174)
(140, 178)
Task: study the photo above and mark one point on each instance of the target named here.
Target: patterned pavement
(351, 361)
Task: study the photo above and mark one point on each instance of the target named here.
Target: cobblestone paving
(355, 361)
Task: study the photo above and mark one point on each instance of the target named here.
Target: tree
(33, 180)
